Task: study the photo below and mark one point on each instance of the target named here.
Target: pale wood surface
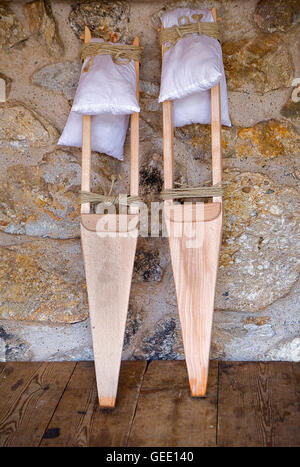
(216, 135)
(168, 142)
(168, 146)
(29, 394)
(110, 222)
(216, 127)
(108, 268)
(134, 137)
(189, 213)
(195, 272)
(167, 415)
(195, 268)
(79, 421)
(2, 90)
(86, 145)
(259, 404)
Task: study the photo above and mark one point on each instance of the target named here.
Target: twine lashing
(121, 54)
(192, 192)
(174, 193)
(186, 27)
(121, 199)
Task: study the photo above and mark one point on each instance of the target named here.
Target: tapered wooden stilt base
(107, 402)
(108, 267)
(195, 263)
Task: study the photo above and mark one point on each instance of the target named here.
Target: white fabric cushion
(107, 92)
(108, 133)
(195, 108)
(106, 88)
(190, 69)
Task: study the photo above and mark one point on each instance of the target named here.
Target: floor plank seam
(58, 402)
(26, 386)
(254, 404)
(136, 405)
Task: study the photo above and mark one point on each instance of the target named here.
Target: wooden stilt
(108, 259)
(86, 144)
(195, 265)
(108, 265)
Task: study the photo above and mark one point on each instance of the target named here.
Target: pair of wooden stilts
(109, 261)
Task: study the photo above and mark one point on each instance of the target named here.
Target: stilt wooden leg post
(108, 260)
(195, 266)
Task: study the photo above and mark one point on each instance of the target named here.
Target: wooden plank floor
(166, 414)
(55, 404)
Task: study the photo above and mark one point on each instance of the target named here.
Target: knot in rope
(109, 200)
(185, 28)
(121, 54)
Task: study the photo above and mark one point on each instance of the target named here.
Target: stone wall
(43, 304)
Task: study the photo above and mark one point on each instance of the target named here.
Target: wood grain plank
(195, 273)
(13, 379)
(29, 395)
(108, 262)
(2, 366)
(167, 415)
(259, 404)
(78, 420)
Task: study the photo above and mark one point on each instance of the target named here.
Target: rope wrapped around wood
(192, 192)
(186, 27)
(121, 199)
(175, 193)
(121, 54)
